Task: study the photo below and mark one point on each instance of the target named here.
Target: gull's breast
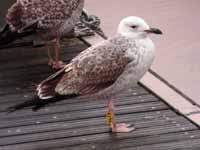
(142, 55)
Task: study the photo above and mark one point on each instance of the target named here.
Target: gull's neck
(142, 39)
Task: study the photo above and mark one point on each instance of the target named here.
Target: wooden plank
(27, 94)
(138, 142)
(88, 129)
(79, 140)
(187, 144)
(35, 58)
(38, 127)
(134, 143)
(140, 98)
(52, 115)
(67, 46)
(194, 147)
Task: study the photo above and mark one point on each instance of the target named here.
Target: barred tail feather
(46, 90)
(46, 93)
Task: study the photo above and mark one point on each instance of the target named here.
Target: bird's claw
(122, 128)
(57, 64)
(50, 62)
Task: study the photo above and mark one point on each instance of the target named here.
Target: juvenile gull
(52, 19)
(103, 70)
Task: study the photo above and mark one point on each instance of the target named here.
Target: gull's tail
(45, 93)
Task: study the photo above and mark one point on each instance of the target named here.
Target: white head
(135, 27)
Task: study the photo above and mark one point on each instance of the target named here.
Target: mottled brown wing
(13, 16)
(46, 88)
(46, 13)
(57, 74)
(94, 69)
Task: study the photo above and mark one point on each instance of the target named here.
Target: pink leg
(121, 127)
(57, 64)
(48, 47)
(50, 60)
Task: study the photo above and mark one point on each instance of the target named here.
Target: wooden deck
(79, 124)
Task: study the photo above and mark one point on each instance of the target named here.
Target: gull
(103, 70)
(52, 19)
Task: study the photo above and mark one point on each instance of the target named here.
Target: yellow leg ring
(109, 119)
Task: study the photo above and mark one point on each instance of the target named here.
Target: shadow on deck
(79, 124)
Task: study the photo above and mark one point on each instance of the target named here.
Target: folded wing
(94, 69)
(42, 14)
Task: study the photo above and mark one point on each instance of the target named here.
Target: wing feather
(95, 68)
(47, 14)
(46, 89)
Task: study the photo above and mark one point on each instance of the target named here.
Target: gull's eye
(134, 26)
